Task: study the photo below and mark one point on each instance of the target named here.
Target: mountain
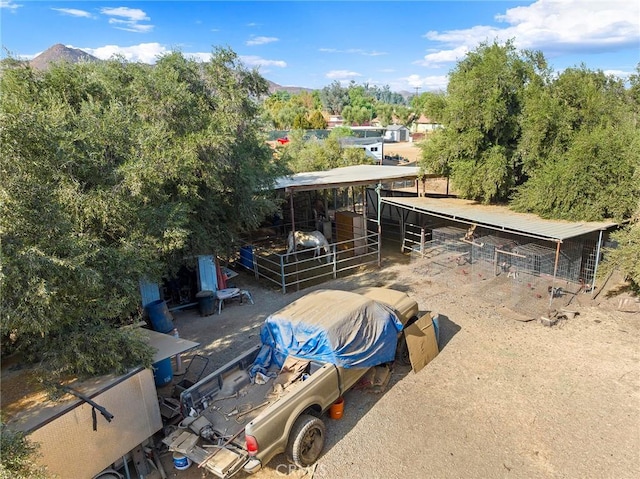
(60, 53)
(293, 90)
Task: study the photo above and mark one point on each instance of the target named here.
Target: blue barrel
(246, 257)
(159, 315)
(163, 372)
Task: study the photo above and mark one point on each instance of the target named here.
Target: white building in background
(396, 133)
(373, 147)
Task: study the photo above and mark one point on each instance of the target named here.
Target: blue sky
(408, 45)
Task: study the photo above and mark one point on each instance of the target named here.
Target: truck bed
(221, 405)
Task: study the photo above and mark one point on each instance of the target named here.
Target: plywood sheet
(69, 446)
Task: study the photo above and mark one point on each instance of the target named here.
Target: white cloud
(144, 52)
(341, 74)
(73, 12)
(353, 51)
(254, 61)
(427, 83)
(9, 5)
(573, 25)
(553, 26)
(261, 40)
(130, 26)
(130, 14)
(443, 56)
(149, 53)
(124, 18)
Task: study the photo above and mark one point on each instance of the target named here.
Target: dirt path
(504, 398)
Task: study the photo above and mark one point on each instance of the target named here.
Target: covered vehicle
(338, 327)
(313, 350)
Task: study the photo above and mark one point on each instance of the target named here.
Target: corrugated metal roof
(347, 176)
(498, 217)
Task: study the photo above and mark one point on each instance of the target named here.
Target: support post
(555, 271)
(595, 269)
(378, 190)
(293, 230)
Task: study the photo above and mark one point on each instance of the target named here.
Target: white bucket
(180, 461)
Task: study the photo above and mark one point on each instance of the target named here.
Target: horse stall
(335, 239)
(303, 264)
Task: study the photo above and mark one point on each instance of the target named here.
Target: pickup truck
(271, 399)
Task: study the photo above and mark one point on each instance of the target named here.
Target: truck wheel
(306, 441)
(402, 352)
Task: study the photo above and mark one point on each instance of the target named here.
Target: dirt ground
(504, 398)
(408, 150)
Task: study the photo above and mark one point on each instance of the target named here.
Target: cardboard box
(421, 342)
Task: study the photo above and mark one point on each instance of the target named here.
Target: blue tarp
(337, 327)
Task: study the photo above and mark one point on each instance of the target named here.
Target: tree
(113, 172)
(300, 122)
(313, 154)
(580, 149)
(481, 118)
(281, 109)
(317, 121)
(18, 455)
(430, 104)
(334, 98)
(626, 256)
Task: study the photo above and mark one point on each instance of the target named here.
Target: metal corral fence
(516, 271)
(301, 269)
(572, 261)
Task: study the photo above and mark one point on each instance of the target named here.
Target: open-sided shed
(566, 250)
(358, 246)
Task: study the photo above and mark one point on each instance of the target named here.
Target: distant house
(334, 120)
(396, 133)
(373, 147)
(424, 125)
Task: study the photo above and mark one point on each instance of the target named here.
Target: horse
(315, 240)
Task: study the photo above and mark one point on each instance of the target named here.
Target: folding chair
(193, 374)
(231, 293)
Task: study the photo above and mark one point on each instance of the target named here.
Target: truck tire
(306, 441)
(402, 352)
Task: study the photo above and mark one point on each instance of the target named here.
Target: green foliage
(334, 98)
(317, 121)
(302, 154)
(626, 257)
(595, 178)
(580, 149)
(300, 122)
(481, 117)
(357, 115)
(284, 111)
(432, 105)
(112, 172)
(18, 454)
(384, 95)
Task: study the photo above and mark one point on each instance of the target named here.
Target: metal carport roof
(498, 217)
(346, 176)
